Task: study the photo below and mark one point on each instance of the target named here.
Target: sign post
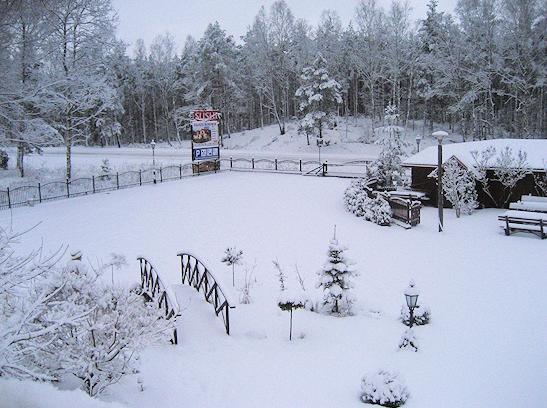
(205, 140)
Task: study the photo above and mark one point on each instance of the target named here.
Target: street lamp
(418, 140)
(440, 135)
(411, 296)
(153, 144)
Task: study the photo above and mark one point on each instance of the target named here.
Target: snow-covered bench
(535, 199)
(524, 221)
(537, 206)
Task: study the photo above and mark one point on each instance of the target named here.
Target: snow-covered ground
(485, 346)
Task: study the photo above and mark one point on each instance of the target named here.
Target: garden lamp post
(411, 296)
(440, 135)
(418, 140)
(153, 144)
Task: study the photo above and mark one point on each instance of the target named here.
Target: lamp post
(319, 144)
(153, 144)
(418, 140)
(411, 296)
(440, 135)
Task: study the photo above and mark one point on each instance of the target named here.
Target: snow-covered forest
(67, 78)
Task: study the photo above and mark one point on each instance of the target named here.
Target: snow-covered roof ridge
(535, 149)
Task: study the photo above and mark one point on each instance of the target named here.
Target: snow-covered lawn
(485, 346)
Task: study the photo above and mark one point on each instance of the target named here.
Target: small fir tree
(232, 257)
(335, 280)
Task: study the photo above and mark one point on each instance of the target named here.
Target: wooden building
(423, 167)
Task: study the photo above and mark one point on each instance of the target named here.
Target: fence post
(9, 198)
(231, 164)
(140, 177)
(39, 192)
(93, 183)
(154, 176)
(300, 165)
(180, 170)
(67, 189)
(161, 175)
(117, 181)
(253, 161)
(276, 164)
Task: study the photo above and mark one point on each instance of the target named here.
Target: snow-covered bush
(248, 282)
(459, 187)
(232, 257)
(408, 340)
(118, 324)
(335, 280)
(422, 315)
(358, 201)
(4, 158)
(56, 320)
(383, 388)
(356, 195)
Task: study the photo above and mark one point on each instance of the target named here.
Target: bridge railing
(154, 289)
(196, 274)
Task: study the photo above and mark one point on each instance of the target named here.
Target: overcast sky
(147, 18)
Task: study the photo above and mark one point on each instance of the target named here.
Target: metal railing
(154, 289)
(196, 274)
(38, 193)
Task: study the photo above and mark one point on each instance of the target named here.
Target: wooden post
(253, 162)
(161, 175)
(93, 183)
(290, 330)
(117, 181)
(9, 198)
(67, 189)
(180, 171)
(507, 230)
(154, 176)
(231, 164)
(140, 177)
(39, 192)
(300, 165)
(276, 164)
(440, 184)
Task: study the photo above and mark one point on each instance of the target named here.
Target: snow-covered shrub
(248, 282)
(105, 169)
(118, 324)
(335, 280)
(232, 257)
(377, 210)
(355, 197)
(422, 315)
(383, 388)
(4, 158)
(459, 187)
(56, 320)
(408, 340)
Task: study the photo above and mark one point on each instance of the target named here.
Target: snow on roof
(536, 150)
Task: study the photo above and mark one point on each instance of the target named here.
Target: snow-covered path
(484, 348)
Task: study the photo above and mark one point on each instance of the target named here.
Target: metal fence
(40, 192)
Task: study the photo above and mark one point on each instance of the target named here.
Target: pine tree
(334, 279)
(319, 97)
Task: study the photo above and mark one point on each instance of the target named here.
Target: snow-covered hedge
(422, 315)
(358, 201)
(383, 388)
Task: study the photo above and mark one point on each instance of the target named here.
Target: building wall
(421, 182)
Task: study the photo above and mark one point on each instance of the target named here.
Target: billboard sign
(205, 135)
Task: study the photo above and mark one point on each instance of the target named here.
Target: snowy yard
(485, 346)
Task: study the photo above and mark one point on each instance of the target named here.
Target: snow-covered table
(524, 221)
(529, 206)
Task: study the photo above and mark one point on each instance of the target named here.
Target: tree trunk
(20, 158)
(143, 119)
(68, 145)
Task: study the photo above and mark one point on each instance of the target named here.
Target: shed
(423, 166)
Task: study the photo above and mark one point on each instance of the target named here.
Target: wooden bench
(524, 221)
(531, 198)
(535, 206)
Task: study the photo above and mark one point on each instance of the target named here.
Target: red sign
(205, 115)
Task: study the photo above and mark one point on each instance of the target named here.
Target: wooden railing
(196, 274)
(154, 289)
